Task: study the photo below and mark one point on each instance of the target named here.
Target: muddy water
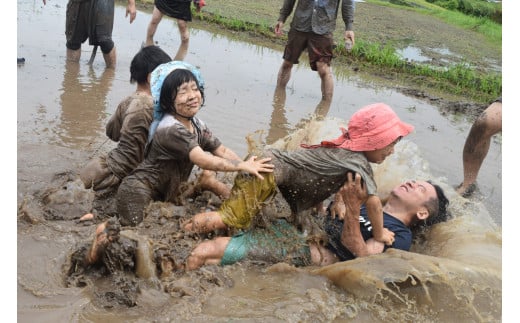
(62, 110)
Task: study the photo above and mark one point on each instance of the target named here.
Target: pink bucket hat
(372, 127)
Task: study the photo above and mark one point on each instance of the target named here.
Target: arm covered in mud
(252, 165)
(225, 152)
(354, 194)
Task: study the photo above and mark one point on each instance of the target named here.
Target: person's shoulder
(350, 153)
(140, 103)
(199, 123)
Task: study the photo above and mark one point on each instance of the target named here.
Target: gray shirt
(307, 177)
(318, 16)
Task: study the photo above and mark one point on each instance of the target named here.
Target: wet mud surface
(58, 134)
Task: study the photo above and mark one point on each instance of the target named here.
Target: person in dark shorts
(312, 27)
(411, 205)
(92, 20)
(178, 9)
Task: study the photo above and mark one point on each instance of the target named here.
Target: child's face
(188, 99)
(378, 156)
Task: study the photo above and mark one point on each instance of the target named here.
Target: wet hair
(145, 61)
(438, 212)
(171, 85)
(437, 207)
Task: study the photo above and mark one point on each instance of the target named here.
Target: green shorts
(280, 242)
(247, 199)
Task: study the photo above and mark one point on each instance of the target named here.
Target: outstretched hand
(256, 166)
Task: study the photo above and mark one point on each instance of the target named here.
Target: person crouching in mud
(179, 140)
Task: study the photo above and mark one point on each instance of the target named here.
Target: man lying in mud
(409, 207)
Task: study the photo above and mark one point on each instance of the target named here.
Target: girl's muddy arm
(375, 215)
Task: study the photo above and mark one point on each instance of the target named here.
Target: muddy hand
(387, 238)
(256, 166)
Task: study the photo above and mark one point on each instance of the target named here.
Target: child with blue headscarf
(178, 141)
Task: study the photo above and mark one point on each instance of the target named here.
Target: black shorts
(319, 47)
(97, 28)
(175, 9)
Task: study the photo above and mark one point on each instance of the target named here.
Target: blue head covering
(156, 82)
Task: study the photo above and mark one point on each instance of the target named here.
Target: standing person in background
(312, 28)
(477, 144)
(92, 19)
(178, 9)
(128, 126)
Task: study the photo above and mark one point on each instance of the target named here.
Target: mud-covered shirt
(334, 227)
(307, 177)
(318, 16)
(167, 163)
(129, 127)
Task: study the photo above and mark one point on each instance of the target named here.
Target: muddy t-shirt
(129, 127)
(167, 163)
(307, 177)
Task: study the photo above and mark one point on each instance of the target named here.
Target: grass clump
(460, 78)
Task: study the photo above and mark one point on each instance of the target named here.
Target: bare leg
(322, 109)
(477, 145)
(110, 58)
(152, 26)
(205, 222)
(73, 55)
(284, 74)
(185, 40)
(209, 252)
(327, 83)
(208, 181)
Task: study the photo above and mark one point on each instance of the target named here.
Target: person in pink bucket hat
(307, 177)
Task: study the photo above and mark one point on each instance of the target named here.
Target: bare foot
(106, 233)
(466, 191)
(204, 223)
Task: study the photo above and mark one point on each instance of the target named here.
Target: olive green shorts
(247, 199)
